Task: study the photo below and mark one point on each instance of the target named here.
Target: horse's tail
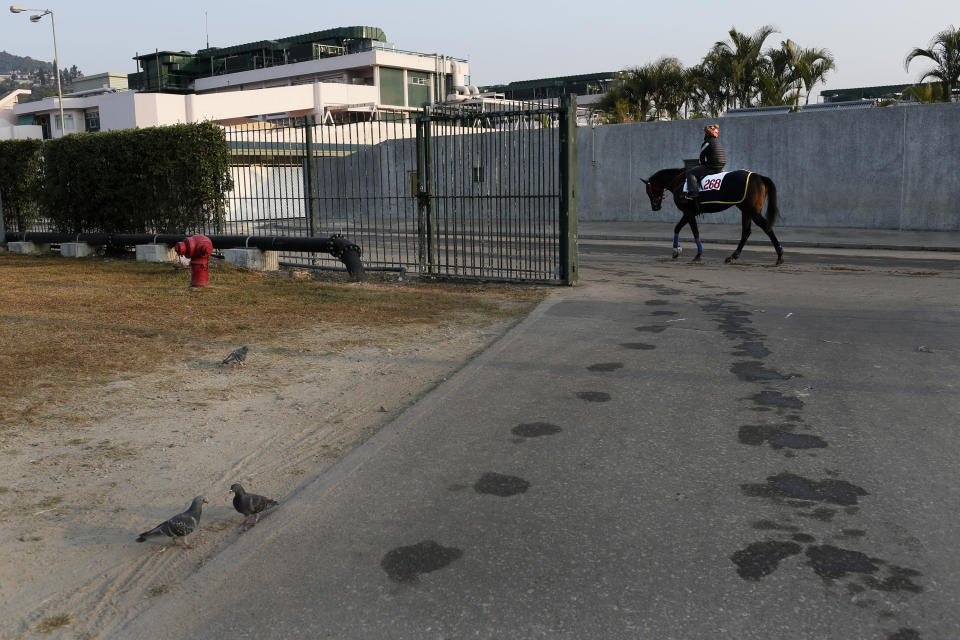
(772, 209)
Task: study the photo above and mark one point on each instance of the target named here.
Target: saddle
(727, 187)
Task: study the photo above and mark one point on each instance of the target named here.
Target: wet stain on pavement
(904, 634)
(605, 366)
(769, 398)
(535, 429)
(802, 537)
(500, 485)
(899, 580)
(406, 564)
(788, 485)
(769, 525)
(752, 350)
(652, 328)
(594, 396)
(828, 561)
(755, 371)
(663, 313)
(778, 437)
(853, 533)
(654, 303)
(823, 514)
(762, 558)
(643, 346)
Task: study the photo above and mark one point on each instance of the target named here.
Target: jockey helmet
(712, 130)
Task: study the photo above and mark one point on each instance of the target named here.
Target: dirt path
(112, 462)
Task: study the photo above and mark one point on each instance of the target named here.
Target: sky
(503, 41)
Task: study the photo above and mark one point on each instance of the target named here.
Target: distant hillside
(10, 62)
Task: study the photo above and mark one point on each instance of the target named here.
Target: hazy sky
(504, 41)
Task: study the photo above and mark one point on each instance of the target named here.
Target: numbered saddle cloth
(729, 187)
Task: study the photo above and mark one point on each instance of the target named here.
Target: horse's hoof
(730, 259)
(676, 253)
(697, 259)
(780, 260)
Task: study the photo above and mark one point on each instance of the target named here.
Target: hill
(10, 62)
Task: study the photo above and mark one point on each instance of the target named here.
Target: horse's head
(656, 194)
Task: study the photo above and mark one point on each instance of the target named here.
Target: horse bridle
(656, 194)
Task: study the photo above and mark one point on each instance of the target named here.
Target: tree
(777, 77)
(812, 66)
(742, 59)
(944, 52)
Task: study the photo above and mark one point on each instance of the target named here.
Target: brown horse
(758, 189)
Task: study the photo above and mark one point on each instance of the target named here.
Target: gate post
(568, 189)
(425, 193)
(314, 220)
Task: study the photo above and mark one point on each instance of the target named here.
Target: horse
(758, 189)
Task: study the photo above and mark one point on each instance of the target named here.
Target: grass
(67, 323)
(54, 622)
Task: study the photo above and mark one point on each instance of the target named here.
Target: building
(10, 128)
(589, 88)
(336, 75)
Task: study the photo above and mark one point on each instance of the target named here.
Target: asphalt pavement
(665, 451)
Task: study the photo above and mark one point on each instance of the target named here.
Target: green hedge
(19, 184)
(157, 180)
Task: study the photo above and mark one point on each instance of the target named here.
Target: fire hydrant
(198, 249)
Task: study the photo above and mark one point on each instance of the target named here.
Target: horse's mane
(665, 177)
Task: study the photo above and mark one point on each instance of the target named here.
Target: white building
(341, 75)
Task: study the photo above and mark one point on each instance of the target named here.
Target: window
(92, 120)
(420, 81)
(68, 119)
(478, 174)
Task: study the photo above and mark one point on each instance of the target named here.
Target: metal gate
(496, 192)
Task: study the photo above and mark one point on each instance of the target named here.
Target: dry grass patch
(54, 622)
(66, 324)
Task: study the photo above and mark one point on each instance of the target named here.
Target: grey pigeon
(179, 526)
(237, 356)
(250, 504)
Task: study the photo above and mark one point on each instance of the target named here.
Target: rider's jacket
(712, 155)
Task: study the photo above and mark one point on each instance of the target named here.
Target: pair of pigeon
(183, 524)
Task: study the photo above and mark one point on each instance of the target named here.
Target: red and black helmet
(712, 130)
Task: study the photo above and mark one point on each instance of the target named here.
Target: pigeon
(237, 356)
(250, 504)
(179, 526)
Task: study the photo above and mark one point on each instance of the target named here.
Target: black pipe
(336, 245)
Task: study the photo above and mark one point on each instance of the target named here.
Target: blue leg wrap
(699, 246)
(676, 240)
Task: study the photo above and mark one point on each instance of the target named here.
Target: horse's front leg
(676, 237)
(692, 220)
(744, 234)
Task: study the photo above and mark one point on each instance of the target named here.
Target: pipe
(336, 245)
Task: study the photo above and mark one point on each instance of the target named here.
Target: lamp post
(56, 58)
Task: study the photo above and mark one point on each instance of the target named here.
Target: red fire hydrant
(198, 249)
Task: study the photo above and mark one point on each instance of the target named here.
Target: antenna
(206, 21)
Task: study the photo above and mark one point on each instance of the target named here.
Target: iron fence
(467, 191)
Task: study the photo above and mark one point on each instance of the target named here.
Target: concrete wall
(885, 168)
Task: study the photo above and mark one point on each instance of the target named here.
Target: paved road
(668, 451)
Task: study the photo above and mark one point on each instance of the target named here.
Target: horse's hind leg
(770, 234)
(676, 237)
(744, 234)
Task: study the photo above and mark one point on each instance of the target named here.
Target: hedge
(19, 173)
(157, 180)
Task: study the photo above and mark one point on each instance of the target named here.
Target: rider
(712, 159)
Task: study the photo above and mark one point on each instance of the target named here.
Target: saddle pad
(728, 187)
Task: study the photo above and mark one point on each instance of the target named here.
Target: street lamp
(56, 58)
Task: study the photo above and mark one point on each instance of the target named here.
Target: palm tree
(629, 98)
(812, 66)
(777, 78)
(742, 58)
(668, 87)
(944, 51)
